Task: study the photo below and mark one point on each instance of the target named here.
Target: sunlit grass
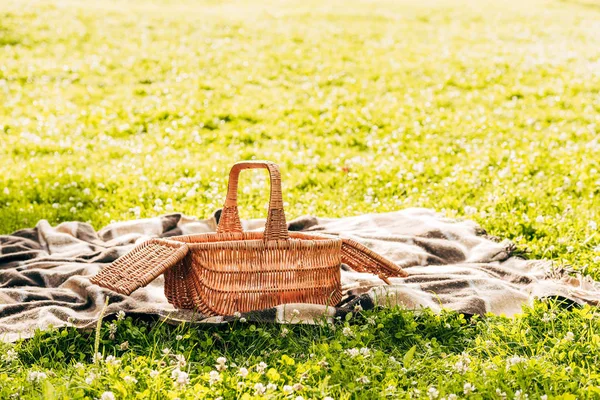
(486, 110)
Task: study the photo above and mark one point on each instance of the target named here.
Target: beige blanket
(45, 271)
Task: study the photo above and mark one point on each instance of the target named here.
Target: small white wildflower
(271, 387)
(433, 393)
(260, 368)
(415, 393)
(544, 397)
(358, 308)
(154, 373)
(214, 377)
(130, 379)
(166, 351)
(296, 312)
(112, 329)
(468, 388)
(259, 389)
(107, 396)
(347, 331)
(221, 364)
(363, 380)
(327, 398)
(10, 356)
(519, 395)
(35, 376)
(182, 379)
(243, 372)
(180, 360)
(124, 345)
(323, 364)
(539, 219)
(365, 351)
(178, 337)
(390, 389)
(284, 332)
(371, 321)
(500, 393)
(6, 191)
(237, 314)
(353, 352)
(242, 320)
(121, 315)
(78, 365)
(514, 360)
(470, 210)
(462, 365)
(287, 389)
(569, 337)
(97, 358)
(90, 378)
(299, 398)
(452, 396)
(112, 360)
(570, 249)
(298, 387)
(592, 225)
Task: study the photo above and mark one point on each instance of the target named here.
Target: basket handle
(276, 227)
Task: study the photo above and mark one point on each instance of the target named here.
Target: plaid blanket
(45, 271)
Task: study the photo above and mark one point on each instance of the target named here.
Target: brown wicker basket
(234, 271)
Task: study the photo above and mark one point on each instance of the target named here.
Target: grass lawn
(482, 109)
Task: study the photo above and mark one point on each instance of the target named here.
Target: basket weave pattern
(234, 271)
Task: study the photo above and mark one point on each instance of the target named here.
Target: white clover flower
(327, 398)
(112, 360)
(259, 389)
(166, 351)
(154, 373)
(323, 364)
(597, 249)
(78, 365)
(296, 312)
(570, 249)
(470, 210)
(112, 329)
(462, 365)
(271, 387)
(596, 259)
(520, 395)
(10, 356)
(452, 396)
(365, 351)
(433, 393)
(214, 377)
(121, 315)
(221, 364)
(353, 352)
(240, 385)
(371, 321)
(90, 378)
(592, 225)
(287, 389)
(363, 379)
(390, 388)
(298, 387)
(124, 345)
(569, 337)
(242, 320)
(180, 359)
(299, 398)
(347, 331)
(97, 358)
(539, 219)
(260, 368)
(182, 379)
(36, 376)
(178, 337)
(514, 360)
(544, 397)
(107, 396)
(500, 393)
(415, 393)
(284, 332)
(130, 379)
(243, 372)
(468, 388)
(358, 308)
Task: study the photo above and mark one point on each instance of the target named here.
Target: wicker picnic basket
(235, 271)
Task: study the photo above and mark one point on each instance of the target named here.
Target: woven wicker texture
(141, 266)
(234, 271)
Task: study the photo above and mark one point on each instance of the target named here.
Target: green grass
(475, 108)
